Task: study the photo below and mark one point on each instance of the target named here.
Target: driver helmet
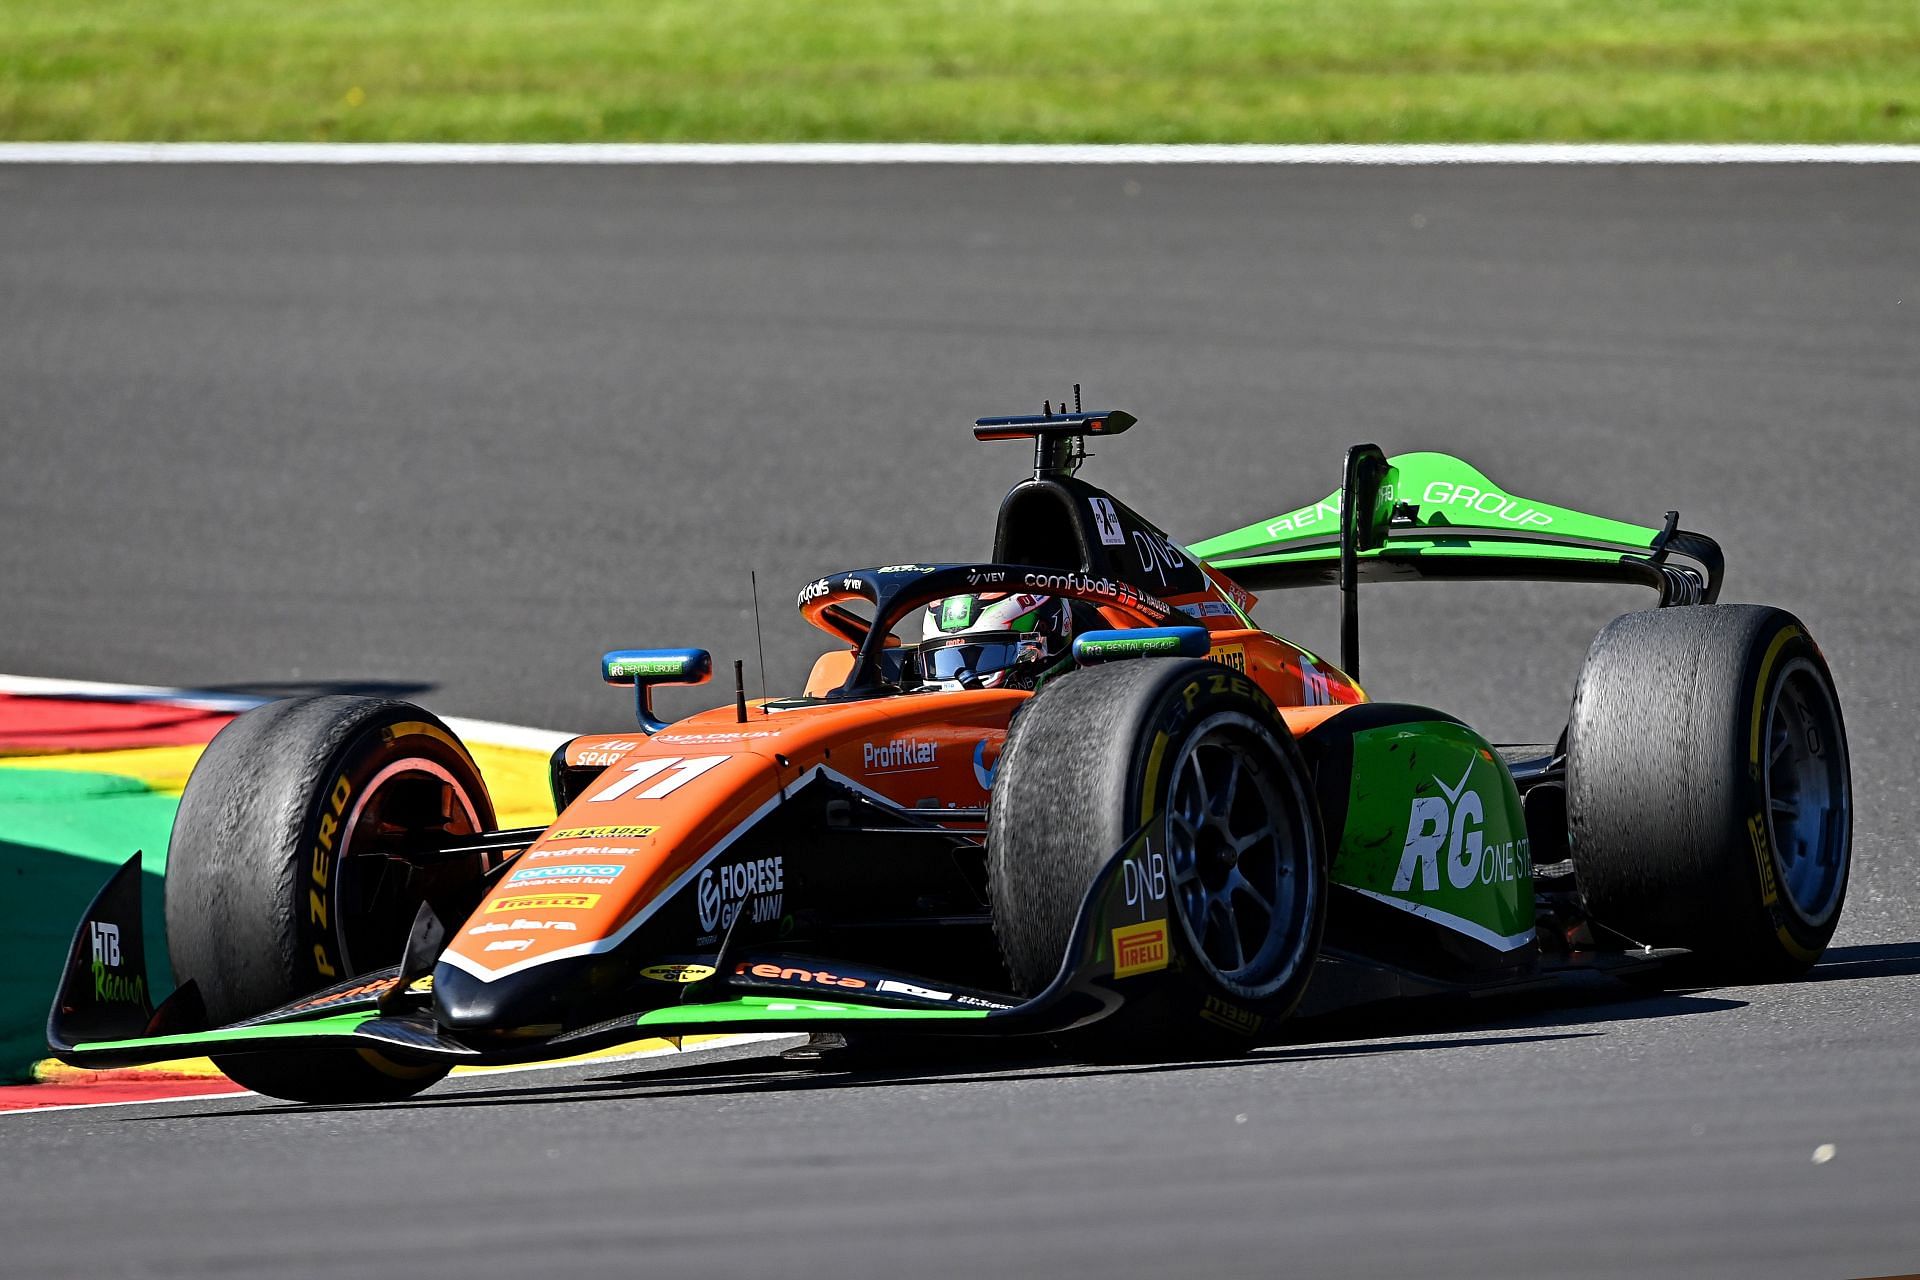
(999, 640)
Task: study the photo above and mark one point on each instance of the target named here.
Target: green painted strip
(339, 1024)
(766, 1009)
(1419, 549)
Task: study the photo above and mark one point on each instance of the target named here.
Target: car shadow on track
(307, 688)
(1415, 1026)
(1879, 960)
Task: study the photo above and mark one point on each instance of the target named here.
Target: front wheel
(1195, 753)
(280, 878)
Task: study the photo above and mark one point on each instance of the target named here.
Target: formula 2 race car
(1160, 852)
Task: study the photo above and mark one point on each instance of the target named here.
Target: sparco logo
(1455, 820)
(723, 890)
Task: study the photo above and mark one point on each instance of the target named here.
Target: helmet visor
(976, 657)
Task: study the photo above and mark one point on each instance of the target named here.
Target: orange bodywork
(665, 805)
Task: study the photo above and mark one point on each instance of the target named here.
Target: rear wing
(1430, 515)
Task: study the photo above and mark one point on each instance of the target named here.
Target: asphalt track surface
(457, 431)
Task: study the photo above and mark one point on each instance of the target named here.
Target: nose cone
(543, 997)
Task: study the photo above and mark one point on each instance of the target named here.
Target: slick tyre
(1195, 753)
(1709, 797)
(276, 881)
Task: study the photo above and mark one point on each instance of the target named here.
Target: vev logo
(1455, 820)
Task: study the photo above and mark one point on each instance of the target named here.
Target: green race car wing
(1436, 516)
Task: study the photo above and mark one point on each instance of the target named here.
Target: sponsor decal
(1157, 554)
(1208, 609)
(1107, 588)
(601, 833)
(1300, 520)
(523, 926)
(1484, 502)
(897, 755)
(106, 943)
(582, 851)
(1145, 880)
(510, 944)
(583, 873)
(378, 987)
(667, 774)
(681, 973)
(890, 986)
(904, 568)
(981, 774)
(723, 891)
(782, 973)
(110, 987)
(603, 754)
(975, 578)
(642, 668)
(1107, 521)
(1234, 592)
(813, 591)
(1140, 948)
(1131, 646)
(1763, 860)
(321, 864)
(545, 902)
(1453, 820)
(692, 739)
(1315, 689)
(1223, 1013)
(956, 612)
(1231, 655)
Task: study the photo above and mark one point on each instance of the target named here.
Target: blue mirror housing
(645, 668)
(1091, 647)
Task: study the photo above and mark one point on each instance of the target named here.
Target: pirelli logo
(1763, 860)
(1231, 1016)
(544, 902)
(1140, 948)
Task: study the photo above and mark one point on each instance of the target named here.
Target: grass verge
(962, 70)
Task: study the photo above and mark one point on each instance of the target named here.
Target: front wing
(102, 1016)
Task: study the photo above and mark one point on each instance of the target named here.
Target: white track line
(858, 153)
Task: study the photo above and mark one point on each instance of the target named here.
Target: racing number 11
(679, 772)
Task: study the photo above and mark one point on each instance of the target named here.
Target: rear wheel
(279, 880)
(1195, 752)
(1710, 801)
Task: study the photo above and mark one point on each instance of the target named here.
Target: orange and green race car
(1177, 836)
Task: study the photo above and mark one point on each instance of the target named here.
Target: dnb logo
(1455, 820)
(1145, 880)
